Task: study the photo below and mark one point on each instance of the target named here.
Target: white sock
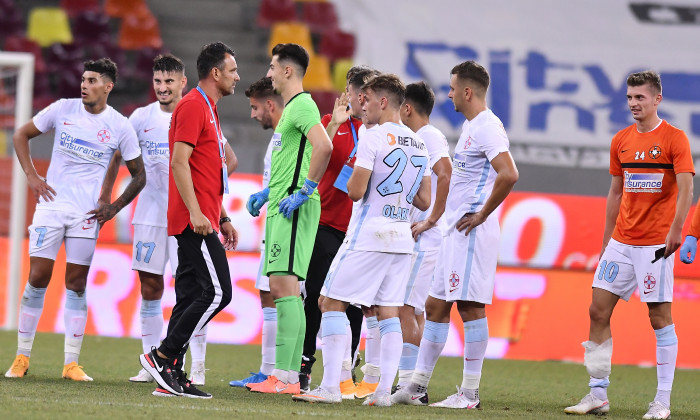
(334, 338)
(281, 375)
(198, 346)
(666, 353)
(29, 314)
(599, 387)
(392, 342)
(431, 346)
(372, 347)
(269, 332)
(476, 338)
(345, 372)
(293, 377)
(407, 364)
(74, 318)
(151, 324)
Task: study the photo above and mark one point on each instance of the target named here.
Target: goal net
(16, 85)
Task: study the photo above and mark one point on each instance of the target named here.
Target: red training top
(192, 123)
(336, 206)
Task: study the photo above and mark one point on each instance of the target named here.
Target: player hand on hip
(294, 201)
(230, 234)
(256, 201)
(688, 249)
(469, 221)
(200, 224)
(40, 188)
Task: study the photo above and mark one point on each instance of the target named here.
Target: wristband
(309, 187)
(224, 220)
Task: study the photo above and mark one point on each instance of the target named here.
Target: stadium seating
(123, 8)
(43, 95)
(11, 21)
(320, 17)
(337, 44)
(318, 75)
(48, 25)
(91, 26)
(274, 11)
(58, 56)
(140, 31)
(339, 73)
(22, 44)
(286, 32)
(77, 7)
(325, 100)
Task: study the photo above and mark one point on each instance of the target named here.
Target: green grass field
(509, 389)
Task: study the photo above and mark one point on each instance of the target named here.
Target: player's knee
(599, 314)
(659, 318)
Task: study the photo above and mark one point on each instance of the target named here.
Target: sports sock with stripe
(29, 314)
(431, 345)
(151, 315)
(334, 337)
(390, 354)
(372, 347)
(269, 331)
(476, 338)
(74, 318)
(407, 364)
(666, 353)
(288, 321)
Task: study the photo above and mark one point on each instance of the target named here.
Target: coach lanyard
(354, 138)
(219, 137)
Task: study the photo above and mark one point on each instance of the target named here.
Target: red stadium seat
(59, 55)
(22, 44)
(137, 32)
(325, 100)
(123, 8)
(91, 26)
(320, 17)
(11, 21)
(272, 11)
(76, 7)
(43, 95)
(337, 44)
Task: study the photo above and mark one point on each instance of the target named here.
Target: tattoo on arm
(138, 181)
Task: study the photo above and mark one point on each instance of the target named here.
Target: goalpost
(19, 66)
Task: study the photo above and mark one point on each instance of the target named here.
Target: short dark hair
(262, 89)
(361, 77)
(212, 55)
(389, 84)
(356, 69)
(294, 53)
(645, 77)
(103, 66)
(421, 96)
(168, 63)
(474, 72)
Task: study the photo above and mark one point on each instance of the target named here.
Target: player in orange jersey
(649, 198)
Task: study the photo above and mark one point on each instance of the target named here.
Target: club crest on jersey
(649, 282)
(655, 152)
(103, 136)
(390, 139)
(454, 281)
(643, 183)
(468, 143)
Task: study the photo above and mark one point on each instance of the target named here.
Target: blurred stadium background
(558, 83)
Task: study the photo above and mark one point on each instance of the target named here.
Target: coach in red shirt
(198, 180)
(343, 127)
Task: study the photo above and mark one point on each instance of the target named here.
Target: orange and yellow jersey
(648, 164)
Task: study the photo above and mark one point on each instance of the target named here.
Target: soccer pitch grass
(509, 389)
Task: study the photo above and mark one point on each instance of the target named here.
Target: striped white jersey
(399, 161)
(482, 139)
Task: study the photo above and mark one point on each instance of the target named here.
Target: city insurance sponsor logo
(643, 183)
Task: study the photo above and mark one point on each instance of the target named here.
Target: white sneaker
(319, 395)
(657, 411)
(458, 400)
(378, 400)
(405, 396)
(197, 374)
(590, 404)
(142, 376)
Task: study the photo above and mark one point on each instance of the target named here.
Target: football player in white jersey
(483, 174)
(88, 132)
(266, 107)
(391, 174)
(426, 226)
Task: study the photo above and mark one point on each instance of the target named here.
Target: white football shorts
(367, 277)
(625, 268)
(466, 266)
(49, 228)
(420, 278)
(153, 248)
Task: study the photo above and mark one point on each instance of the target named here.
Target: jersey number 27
(398, 160)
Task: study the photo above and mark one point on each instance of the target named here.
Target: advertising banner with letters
(558, 68)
